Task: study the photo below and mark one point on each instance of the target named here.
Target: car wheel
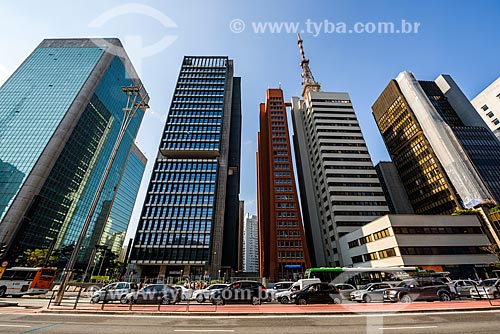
(284, 300)
(405, 299)
(256, 301)
(496, 295)
(367, 299)
(444, 297)
(337, 300)
(123, 300)
(94, 300)
(165, 301)
(218, 301)
(302, 301)
(200, 298)
(3, 290)
(131, 300)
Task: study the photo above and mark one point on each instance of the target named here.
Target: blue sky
(459, 38)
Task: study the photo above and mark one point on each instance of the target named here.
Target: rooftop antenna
(309, 84)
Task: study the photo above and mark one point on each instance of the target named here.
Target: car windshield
(407, 283)
(487, 283)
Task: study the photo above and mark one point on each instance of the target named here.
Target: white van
(284, 296)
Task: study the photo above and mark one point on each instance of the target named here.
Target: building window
(490, 114)
(495, 121)
(485, 107)
(357, 259)
(386, 253)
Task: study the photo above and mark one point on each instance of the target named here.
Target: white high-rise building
(251, 244)
(487, 104)
(339, 187)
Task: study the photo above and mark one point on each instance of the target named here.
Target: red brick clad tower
(283, 250)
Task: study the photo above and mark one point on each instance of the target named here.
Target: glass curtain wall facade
(63, 117)
(446, 156)
(185, 219)
(283, 252)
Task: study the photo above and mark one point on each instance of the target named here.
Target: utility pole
(134, 101)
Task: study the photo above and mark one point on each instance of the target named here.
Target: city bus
(359, 277)
(20, 281)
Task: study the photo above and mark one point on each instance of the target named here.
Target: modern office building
(487, 105)
(394, 191)
(60, 114)
(251, 244)
(445, 155)
(189, 222)
(113, 235)
(438, 242)
(339, 187)
(283, 252)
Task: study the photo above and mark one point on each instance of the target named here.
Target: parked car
(154, 294)
(186, 293)
(370, 292)
(318, 293)
(203, 294)
(489, 288)
(463, 287)
(240, 292)
(113, 292)
(345, 289)
(278, 287)
(284, 296)
(425, 288)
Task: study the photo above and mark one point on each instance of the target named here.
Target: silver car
(113, 292)
(371, 292)
(204, 294)
(489, 288)
(463, 287)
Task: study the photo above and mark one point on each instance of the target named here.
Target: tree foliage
(35, 258)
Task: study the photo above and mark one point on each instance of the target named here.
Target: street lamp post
(134, 101)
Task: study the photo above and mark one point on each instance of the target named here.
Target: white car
(284, 297)
(489, 288)
(204, 294)
(186, 294)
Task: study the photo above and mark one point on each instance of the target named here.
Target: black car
(318, 293)
(240, 292)
(414, 289)
(154, 294)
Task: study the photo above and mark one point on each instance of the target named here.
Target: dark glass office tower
(189, 222)
(60, 115)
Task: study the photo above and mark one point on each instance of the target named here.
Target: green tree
(35, 258)
(465, 212)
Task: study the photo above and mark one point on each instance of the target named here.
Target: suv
(318, 293)
(278, 287)
(240, 292)
(113, 291)
(414, 289)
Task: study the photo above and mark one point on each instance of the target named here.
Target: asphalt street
(484, 322)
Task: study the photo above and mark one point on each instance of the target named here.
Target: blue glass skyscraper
(60, 114)
(189, 222)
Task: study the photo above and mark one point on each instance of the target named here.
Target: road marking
(409, 327)
(42, 327)
(203, 330)
(25, 326)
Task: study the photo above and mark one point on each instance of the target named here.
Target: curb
(263, 314)
(7, 304)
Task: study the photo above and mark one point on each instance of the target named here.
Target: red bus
(20, 281)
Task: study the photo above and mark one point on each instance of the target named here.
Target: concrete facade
(487, 105)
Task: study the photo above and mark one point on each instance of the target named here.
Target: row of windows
(360, 203)
(438, 230)
(441, 250)
(178, 211)
(184, 187)
(289, 234)
(285, 205)
(194, 120)
(178, 239)
(373, 256)
(171, 254)
(191, 145)
(181, 199)
(186, 166)
(175, 224)
(290, 255)
(289, 244)
(286, 223)
(192, 136)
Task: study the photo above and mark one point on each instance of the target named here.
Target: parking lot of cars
(302, 292)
